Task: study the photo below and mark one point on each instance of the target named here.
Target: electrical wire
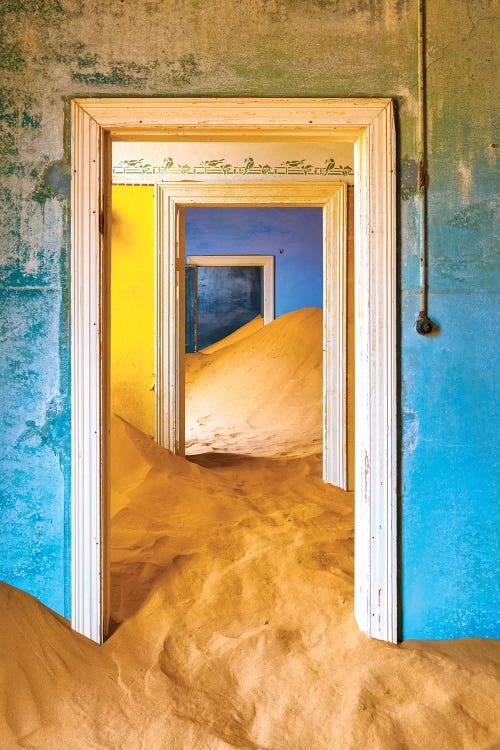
(424, 324)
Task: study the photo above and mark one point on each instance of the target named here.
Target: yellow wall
(132, 305)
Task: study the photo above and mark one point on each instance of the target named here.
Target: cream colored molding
(368, 124)
(88, 589)
(265, 261)
(375, 551)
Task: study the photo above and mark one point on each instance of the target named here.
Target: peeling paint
(465, 179)
(178, 72)
(123, 74)
(409, 178)
(11, 57)
(476, 215)
(9, 113)
(44, 8)
(410, 431)
(30, 121)
(54, 183)
(87, 60)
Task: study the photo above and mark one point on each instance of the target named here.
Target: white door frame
(266, 262)
(171, 200)
(369, 125)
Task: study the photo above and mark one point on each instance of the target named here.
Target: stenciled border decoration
(299, 167)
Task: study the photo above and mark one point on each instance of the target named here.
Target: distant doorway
(225, 292)
(253, 383)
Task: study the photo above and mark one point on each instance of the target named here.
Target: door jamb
(369, 125)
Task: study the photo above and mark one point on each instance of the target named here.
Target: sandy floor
(232, 594)
(259, 395)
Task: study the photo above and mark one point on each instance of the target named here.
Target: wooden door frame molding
(369, 125)
(171, 199)
(266, 262)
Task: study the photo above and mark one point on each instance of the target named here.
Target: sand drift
(259, 391)
(232, 598)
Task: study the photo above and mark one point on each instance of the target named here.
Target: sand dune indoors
(254, 325)
(259, 395)
(232, 598)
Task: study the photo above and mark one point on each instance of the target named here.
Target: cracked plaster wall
(53, 50)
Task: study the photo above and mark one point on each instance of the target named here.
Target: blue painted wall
(34, 444)
(450, 416)
(52, 51)
(293, 235)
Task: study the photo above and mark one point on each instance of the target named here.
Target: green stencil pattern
(300, 167)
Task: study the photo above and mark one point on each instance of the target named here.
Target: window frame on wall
(266, 262)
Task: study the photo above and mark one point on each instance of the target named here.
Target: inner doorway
(173, 201)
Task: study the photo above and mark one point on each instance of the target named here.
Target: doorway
(368, 124)
(172, 202)
(252, 388)
(218, 286)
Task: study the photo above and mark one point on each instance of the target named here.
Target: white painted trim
(368, 123)
(171, 199)
(87, 586)
(335, 340)
(169, 330)
(265, 261)
(375, 381)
